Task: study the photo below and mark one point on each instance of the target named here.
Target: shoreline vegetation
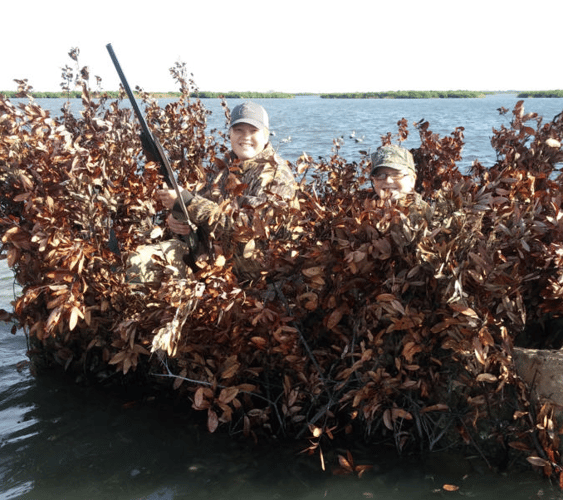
(402, 94)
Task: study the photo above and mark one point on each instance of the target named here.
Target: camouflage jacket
(263, 179)
(259, 186)
(418, 208)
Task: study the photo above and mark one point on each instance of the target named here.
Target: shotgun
(153, 149)
(151, 144)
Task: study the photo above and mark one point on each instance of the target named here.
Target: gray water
(310, 124)
(61, 441)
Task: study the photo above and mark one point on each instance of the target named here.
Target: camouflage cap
(393, 156)
(252, 113)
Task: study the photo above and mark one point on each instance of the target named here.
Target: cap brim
(395, 166)
(255, 123)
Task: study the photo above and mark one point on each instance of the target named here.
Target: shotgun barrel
(148, 139)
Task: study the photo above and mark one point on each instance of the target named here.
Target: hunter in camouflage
(253, 169)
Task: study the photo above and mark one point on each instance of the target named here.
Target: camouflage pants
(147, 263)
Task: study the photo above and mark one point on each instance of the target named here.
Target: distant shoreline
(439, 94)
(401, 94)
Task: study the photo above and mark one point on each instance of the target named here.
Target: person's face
(247, 141)
(391, 183)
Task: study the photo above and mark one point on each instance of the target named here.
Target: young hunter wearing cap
(393, 174)
(267, 178)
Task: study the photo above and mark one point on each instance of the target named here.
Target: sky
(290, 46)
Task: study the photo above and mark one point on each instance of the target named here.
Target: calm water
(310, 124)
(58, 441)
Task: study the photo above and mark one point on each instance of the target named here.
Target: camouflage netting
(371, 323)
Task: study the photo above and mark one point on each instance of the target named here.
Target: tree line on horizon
(401, 94)
(541, 93)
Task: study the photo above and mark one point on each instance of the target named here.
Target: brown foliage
(371, 321)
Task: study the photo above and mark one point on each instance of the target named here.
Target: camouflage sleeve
(203, 211)
(266, 183)
(199, 208)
